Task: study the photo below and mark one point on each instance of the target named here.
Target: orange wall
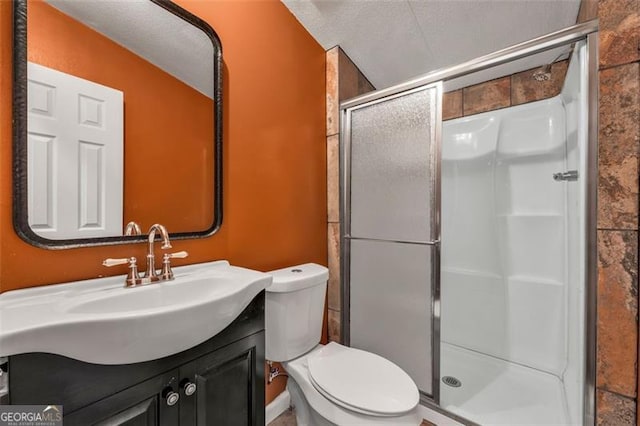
(167, 122)
(274, 153)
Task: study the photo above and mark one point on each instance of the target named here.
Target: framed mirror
(117, 118)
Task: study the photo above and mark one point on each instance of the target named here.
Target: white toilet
(332, 384)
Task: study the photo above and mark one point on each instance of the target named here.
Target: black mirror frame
(20, 165)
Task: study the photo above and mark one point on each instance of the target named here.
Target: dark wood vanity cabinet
(225, 394)
(225, 383)
(141, 405)
(219, 382)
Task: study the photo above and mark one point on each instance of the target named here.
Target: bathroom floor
(497, 392)
(288, 418)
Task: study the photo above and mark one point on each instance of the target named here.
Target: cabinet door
(140, 405)
(229, 386)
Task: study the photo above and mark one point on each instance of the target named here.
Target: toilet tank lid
(294, 278)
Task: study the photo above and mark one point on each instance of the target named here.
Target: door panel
(139, 405)
(229, 386)
(223, 392)
(75, 156)
(143, 414)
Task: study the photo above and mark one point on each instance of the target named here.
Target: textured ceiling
(392, 41)
(151, 32)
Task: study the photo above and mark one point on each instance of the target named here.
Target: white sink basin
(100, 321)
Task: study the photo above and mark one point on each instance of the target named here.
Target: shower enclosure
(468, 244)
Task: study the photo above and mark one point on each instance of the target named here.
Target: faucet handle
(177, 255)
(133, 278)
(167, 273)
(113, 262)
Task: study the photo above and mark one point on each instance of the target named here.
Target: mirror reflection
(120, 119)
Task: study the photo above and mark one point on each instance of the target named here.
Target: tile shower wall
(619, 143)
(344, 81)
(503, 92)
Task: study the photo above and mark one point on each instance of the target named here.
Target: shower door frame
(434, 223)
(585, 31)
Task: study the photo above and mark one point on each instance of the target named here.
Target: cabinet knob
(170, 396)
(188, 387)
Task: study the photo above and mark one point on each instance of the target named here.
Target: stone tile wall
(344, 81)
(503, 92)
(619, 143)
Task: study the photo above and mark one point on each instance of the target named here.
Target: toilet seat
(344, 404)
(361, 381)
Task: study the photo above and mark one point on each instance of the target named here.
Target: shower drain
(451, 381)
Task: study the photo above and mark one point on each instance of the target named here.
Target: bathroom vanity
(227, 371)
(107, 375)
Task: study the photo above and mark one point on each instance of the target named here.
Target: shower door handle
(571, 175)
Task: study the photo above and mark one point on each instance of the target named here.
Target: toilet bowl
(358, 398)
(330, 384)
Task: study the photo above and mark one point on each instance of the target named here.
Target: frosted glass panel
(391, 304)
(390, 173)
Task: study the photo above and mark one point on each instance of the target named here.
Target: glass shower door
(392, 230)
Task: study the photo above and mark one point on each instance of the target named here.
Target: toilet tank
(294, 310)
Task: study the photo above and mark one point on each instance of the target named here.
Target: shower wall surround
(493, 166)
(619, 145)
(512, 285)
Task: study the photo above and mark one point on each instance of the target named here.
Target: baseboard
(277, 406)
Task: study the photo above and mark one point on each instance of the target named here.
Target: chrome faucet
(151, 275)
(151, 259)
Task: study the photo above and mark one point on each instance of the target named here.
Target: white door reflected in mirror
(75, 156)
